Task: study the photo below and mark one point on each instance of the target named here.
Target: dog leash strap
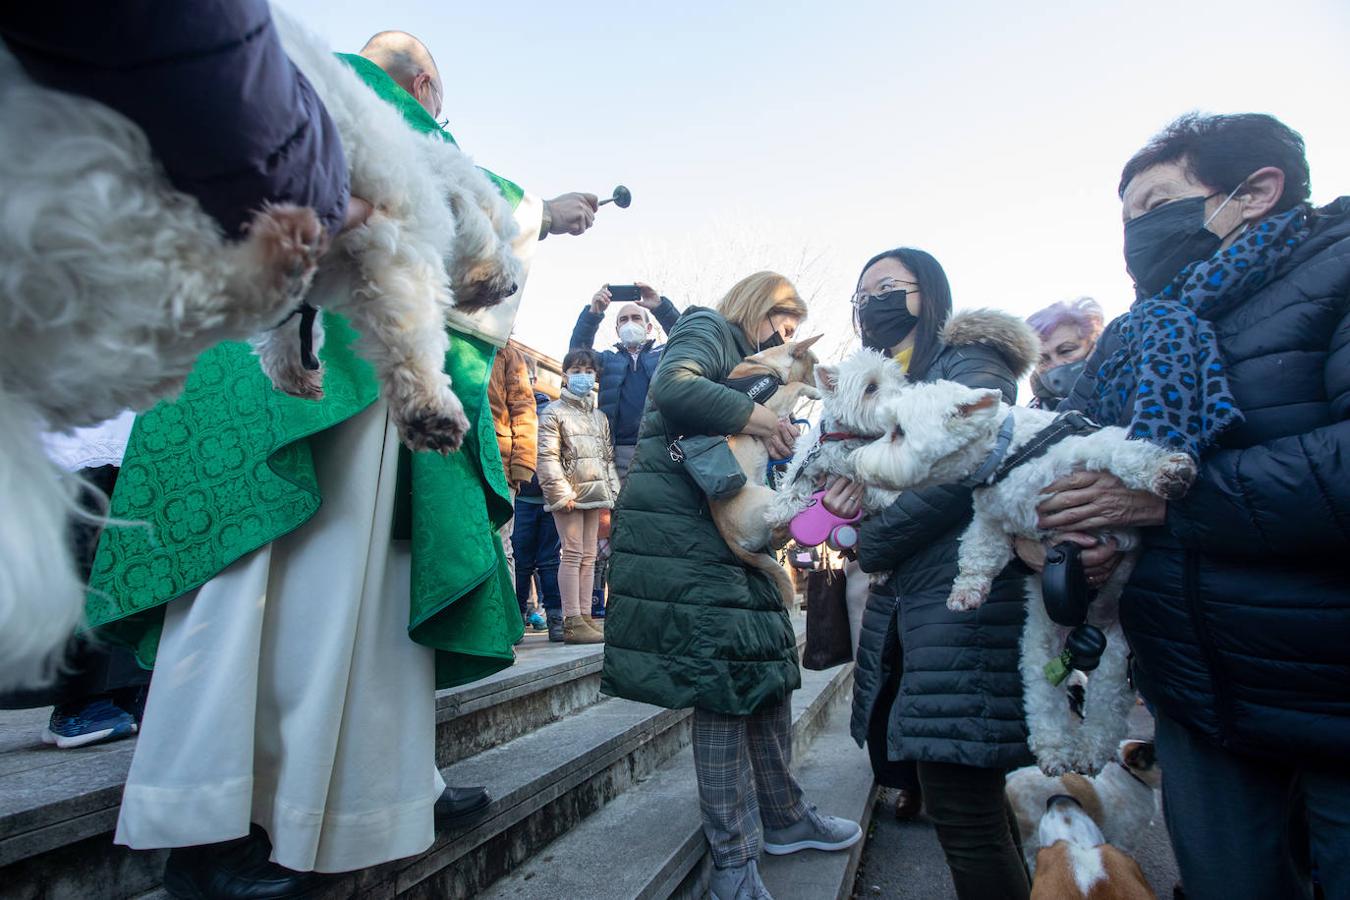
(1065, 425)
(986, 470)
(307, 357)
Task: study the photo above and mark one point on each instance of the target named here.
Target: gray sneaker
(738, 883)
(813, 832)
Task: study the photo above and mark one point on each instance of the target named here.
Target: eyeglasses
(861, 298)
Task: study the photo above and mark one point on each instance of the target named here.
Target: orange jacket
(513, 413)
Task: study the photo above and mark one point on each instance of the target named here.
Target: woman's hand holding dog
(780, 435)
(1099, 557)
(1090, 501)
(843, 497)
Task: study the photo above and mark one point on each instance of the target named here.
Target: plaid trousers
(743, 765)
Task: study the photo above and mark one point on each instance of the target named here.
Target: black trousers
(977, 830)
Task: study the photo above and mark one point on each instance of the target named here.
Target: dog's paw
(299, 382)
(290, 240)
(1053, 766)
(964, 598)
(440, 429)
(484, 283)
(1174, 477)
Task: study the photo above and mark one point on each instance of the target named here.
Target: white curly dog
(851, 394)
(945, 433)
(112, 283)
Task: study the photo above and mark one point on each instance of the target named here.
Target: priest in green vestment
(303, 583)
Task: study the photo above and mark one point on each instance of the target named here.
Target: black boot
(555, 626)
(459, 807)
(235, 870)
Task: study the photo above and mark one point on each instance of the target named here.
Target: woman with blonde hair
(689, 625)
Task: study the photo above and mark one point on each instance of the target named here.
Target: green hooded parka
(687, 624)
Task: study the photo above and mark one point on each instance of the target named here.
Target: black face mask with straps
(1165, 240)
(885, 320)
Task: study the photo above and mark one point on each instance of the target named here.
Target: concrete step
(837, 777)
(58, 808)
(648, 843)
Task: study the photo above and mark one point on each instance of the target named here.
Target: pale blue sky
(989, 133)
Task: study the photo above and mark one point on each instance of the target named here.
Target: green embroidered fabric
(226, 468)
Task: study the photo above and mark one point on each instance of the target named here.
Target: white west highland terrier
(851, 393)
(113, 283)
(943, 433)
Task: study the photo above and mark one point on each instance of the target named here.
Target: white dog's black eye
(871, 388)
(897, 433)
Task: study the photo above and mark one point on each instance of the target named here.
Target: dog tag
(1058, 669)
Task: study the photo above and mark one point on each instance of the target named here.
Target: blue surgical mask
(580, 383)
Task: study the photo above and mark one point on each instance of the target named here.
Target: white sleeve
(494, 324)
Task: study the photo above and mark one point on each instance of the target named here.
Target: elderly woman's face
(1062, 346)
(1170, 181)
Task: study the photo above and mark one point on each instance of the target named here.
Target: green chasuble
(226, 469)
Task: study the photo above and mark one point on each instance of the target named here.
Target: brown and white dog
(1076, 862)
(742, 519)
(1122, 800)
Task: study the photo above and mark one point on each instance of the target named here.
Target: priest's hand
(571, 213)
(358, 211)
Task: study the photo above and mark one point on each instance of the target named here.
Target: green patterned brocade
(226, 469)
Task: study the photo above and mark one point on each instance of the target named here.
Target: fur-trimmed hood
(1007, 334)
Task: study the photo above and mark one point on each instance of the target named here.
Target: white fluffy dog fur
(851, 395)
(433, 211)
(941, 433)
(113, 283)
(1122, 800)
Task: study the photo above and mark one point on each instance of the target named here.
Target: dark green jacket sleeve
(686, 388)
(920, 517)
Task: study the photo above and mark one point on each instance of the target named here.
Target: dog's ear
(827, 378)
(979, 404)
(801, 348)
(1138, 755)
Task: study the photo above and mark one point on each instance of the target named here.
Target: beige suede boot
(576, 631)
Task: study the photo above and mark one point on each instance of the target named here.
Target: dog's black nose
(1054, 799)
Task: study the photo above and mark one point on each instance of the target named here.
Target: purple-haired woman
(1068, 331)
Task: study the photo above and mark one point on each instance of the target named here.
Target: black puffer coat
(1238, 611)
(960, 694)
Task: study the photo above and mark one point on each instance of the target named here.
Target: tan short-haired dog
(742, 519)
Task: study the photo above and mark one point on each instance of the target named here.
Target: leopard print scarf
(1168, 361)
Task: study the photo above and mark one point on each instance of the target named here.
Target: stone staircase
(593, 797)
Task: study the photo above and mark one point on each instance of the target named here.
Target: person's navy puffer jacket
(1238, 611)
(228, 115)
(617, 366)
(959, 696)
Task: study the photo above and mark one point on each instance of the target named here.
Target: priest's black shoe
(460, 807)
(237, 870)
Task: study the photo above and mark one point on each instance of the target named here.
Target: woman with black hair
(936, 687)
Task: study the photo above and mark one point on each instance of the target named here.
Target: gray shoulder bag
(709, 461)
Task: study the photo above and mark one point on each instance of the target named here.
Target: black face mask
(886, 321)
(773, 340)
(1055, 384)
(1163, 241)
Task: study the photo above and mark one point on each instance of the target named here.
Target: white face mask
(631, 334)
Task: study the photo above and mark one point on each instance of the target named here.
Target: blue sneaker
(78, 725)
(537, 621)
